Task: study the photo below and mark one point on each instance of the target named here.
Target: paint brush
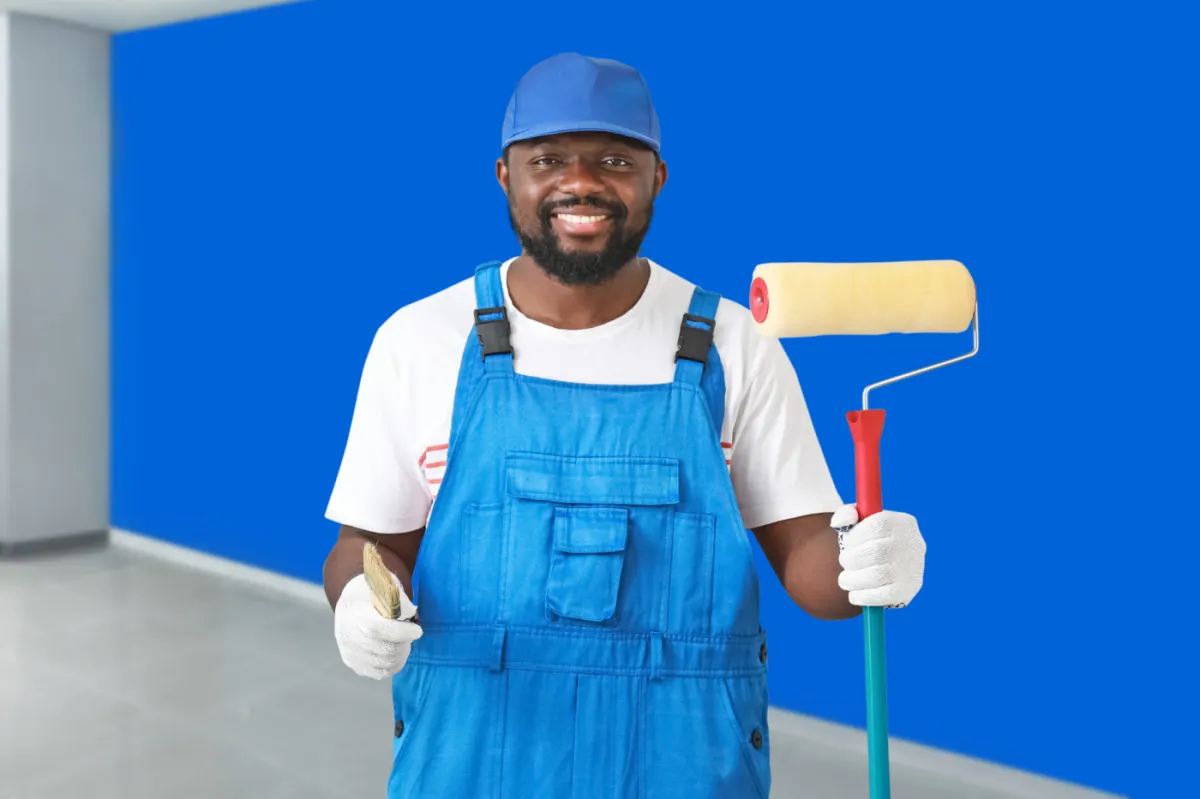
(385, 592)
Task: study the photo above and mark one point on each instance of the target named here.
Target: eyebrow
(541, 146)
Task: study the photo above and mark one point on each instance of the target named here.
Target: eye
(545, 160)
(613, 160)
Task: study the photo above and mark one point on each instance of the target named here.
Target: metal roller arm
(923, 370)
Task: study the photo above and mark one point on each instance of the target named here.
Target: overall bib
(587, 590)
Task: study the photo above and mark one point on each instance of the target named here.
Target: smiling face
(581, 203)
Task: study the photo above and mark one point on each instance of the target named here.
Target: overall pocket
(446, 729)
(480, 548)
(690, 594)
(745, 702)
(410, 689)
(586, 564)
(701, 739)
(575, 520)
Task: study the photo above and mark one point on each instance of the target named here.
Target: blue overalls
(587, 590)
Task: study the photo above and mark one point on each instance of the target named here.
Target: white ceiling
(124, 15)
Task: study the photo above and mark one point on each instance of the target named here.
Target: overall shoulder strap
(696, 336)
(491, 319)
(697, 361)
(488, 350)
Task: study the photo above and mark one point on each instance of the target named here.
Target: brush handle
(866, 427)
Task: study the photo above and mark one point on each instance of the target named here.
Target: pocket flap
(593, 480)
(582, 531)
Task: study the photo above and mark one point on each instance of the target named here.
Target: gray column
(54, 284)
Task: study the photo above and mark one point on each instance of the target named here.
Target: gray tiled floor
(125, 676)
(122, 676)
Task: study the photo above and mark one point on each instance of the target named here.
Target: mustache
(616, 209)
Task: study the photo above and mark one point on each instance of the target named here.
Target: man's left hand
(882, 557)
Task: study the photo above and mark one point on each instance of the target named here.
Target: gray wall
(54, 336)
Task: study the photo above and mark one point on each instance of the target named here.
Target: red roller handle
(867, 429)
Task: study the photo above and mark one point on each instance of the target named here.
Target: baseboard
(262, 579)
(35, 547)
(794, 729)
(787, 728)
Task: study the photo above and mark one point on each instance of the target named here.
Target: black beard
(578, 269)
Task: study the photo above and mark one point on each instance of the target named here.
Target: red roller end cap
(760, 303)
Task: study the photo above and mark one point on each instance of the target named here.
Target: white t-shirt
(396, 450)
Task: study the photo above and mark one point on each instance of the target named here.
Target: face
(581, 203)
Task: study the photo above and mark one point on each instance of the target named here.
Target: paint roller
(791, 300)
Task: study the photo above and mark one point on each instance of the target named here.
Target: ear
(660, 177)
(502, 174)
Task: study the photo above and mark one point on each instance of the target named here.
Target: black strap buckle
(694, 342)
(493, 334)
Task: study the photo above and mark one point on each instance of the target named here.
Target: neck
(543, 299)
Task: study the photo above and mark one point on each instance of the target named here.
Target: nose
(580, 179)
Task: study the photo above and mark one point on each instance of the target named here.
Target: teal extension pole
(877, 723)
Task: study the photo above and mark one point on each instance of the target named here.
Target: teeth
(580, 220)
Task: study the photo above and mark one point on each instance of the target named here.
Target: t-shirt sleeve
(379, 486)
(779, 471)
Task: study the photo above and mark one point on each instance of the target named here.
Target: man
(575, 442)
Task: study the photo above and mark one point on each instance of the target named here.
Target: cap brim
(552, 129)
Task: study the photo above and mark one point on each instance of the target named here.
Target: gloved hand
(370, 644)
(882, 558)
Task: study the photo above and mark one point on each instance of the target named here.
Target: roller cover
(861, 299)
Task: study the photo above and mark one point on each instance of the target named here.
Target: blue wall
(284, 180)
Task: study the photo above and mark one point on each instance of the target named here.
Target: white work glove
(882, 558)
(370, 644)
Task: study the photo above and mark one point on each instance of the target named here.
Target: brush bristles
(385, 594)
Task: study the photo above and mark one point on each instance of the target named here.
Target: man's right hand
(370, 644)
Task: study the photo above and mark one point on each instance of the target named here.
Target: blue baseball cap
(571, 93)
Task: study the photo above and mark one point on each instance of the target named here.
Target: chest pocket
(590, 508)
